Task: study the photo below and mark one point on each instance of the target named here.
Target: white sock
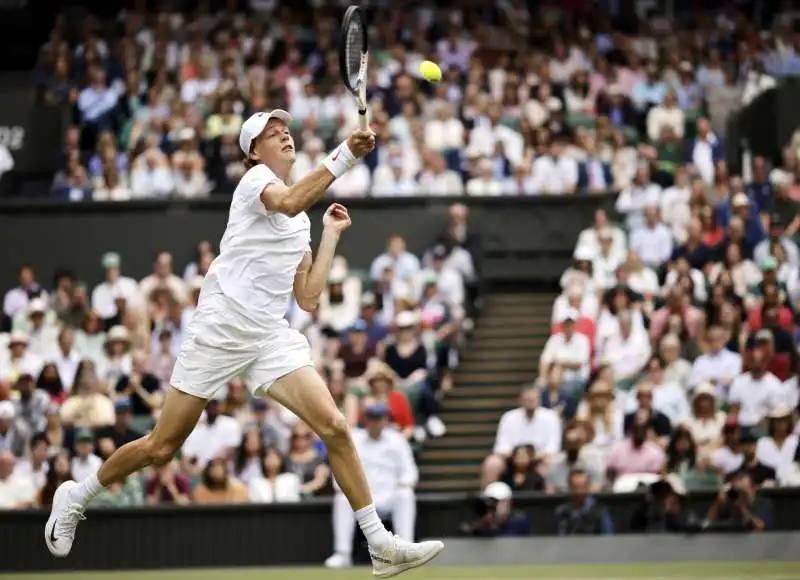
(372, 526)
(85, 491)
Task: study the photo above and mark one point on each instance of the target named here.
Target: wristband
(340, 161)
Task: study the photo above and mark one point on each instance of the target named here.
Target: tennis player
(239, 329)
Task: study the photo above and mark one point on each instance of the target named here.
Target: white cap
(405, 319)
(37, 306)
(18, 337)
(498, 491)
(118, 333)
(571, 314)
(253, 127)
(583, 253)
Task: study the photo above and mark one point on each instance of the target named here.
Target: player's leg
(178, 417)
(303, 392)
(344, 529)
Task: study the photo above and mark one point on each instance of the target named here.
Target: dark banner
(273, 535)
(530, 238)
(32, 132)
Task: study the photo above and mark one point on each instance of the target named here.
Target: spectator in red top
(582, 325)
(781, 316)
(381, 379)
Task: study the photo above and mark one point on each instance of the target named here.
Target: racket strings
(354, 44)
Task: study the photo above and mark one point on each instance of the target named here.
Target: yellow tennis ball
(430, 71)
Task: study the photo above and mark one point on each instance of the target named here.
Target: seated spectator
(760, 474)
(381, 380)
(121, 494)
(753, 394)
(664, 509)
(392, 475)
(676, 369)
(390, 179)
(555, 172)
(437, 180)
(120, 433)
(667, 397)
(633, 200)
(16, 490)
(58, 471)
(406, 265)
(87, 405)
(575, 455)
(653, 240)
(484, 183)
(559, 400)
(529, 424)
(590, 237)
(636, 454)
(163, 276)
(642, 410)
(117, 361)
(113, 287)
(523, 472)
(65, 360)
(641, 279)
(97, 104)
(779, 447)
(167, 486)
(150, 174)
(19, 359)
(779, 350)
(162, 361)
(521, 182)
(719, 366)
(218, 486)
(666, 114)
(90, 339)
(582, 514)
(140, 386)
(605, 264)
(706, 421)
(249, 461)
(585, 303)
(682, 460)
(215, 435)
(273, 484)
(305, 461)
(35, 466)
(626, 353)
(570, 351)
(31, 403)
(580, 273)
(188, 168)
(738, 508)
(605, 418)
(85, 462)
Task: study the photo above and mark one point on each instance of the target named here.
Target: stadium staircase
(501, 355)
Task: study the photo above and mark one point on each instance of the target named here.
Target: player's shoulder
(258, 174)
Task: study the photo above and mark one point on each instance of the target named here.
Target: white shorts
(222, 344)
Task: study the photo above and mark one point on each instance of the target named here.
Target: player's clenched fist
(361, 142)
(336, 218)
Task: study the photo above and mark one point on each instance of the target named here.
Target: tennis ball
(430, 71)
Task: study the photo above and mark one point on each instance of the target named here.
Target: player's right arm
(294, 199)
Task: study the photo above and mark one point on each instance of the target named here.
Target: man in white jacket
(392, 475)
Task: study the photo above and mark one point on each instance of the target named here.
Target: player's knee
(162, 452)
(335, 432)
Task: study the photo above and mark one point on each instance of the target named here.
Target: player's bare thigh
(178, 418)
(306, 395)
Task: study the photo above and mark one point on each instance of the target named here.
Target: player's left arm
(312, 275)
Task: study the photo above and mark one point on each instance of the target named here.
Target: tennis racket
(353, 59)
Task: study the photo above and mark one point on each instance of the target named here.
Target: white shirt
(480, 187)
(554, 175)
(604, 271)
(386, 184)
(668, 398)
(286, 489)
(575, 350)
(719, 369)
(193, 89)
(83, 468)
(726, 460)
(661, 116)
(483, 139)
(67, 366)
(449, 285)
(388, 463)
(207, 442)
(767, 452)
(626, 356)
(260, 251)
(632, 201)
(705, 431)
(354, 183)
(543, 431)
(16, 490)
(654, 245)
(106, 293)
(644, 281)
(588, 308)
(440, 135)
(756, 397)
(590, 239)
(441, 184)
(24, 468)
(788, 395)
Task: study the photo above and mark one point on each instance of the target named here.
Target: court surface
(666, 571)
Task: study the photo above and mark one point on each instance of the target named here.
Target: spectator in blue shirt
(741, 207)
(582, 514)
(649, 92)
(687, 91)
(760, 190)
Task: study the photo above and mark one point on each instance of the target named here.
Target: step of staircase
(455, 484)
(457, 429)
(519, 364)
(501, 404)
(442, 456)
(544, 300)
(450, 470)
(488, 391)
(456, 441)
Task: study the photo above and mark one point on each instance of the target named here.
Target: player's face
(275, 145)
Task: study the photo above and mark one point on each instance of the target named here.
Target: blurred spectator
(305, 461)
(779, 447)
(66, 359)
(753, 394)
(85, 462)
(653, 241)
(575, 456)
(665, 509)
(214, 436)
(524, 470)
(87, 404)
(14, 434)
(31, 404)
(120, 433)
(141, 387)
(706, 421)
(218, 486)
(636, 454)
(738, 508)
(529, 424)
(568, 350)
(494, 515)
(582, 514)
(16, 490)
(35, 466)
(106, 295)
(167, 486)
(163, 277)
(274, 483)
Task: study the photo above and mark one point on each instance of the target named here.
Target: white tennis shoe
(401, 556)
(59, 532)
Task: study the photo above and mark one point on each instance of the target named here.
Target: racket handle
(363, 122)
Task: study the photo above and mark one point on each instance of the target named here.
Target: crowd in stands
(158, 98)
(84, 370)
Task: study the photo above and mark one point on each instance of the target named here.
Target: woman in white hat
(706, 421)
(778, 448)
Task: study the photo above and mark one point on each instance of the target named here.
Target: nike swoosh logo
(335, 155)
(53, 532)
